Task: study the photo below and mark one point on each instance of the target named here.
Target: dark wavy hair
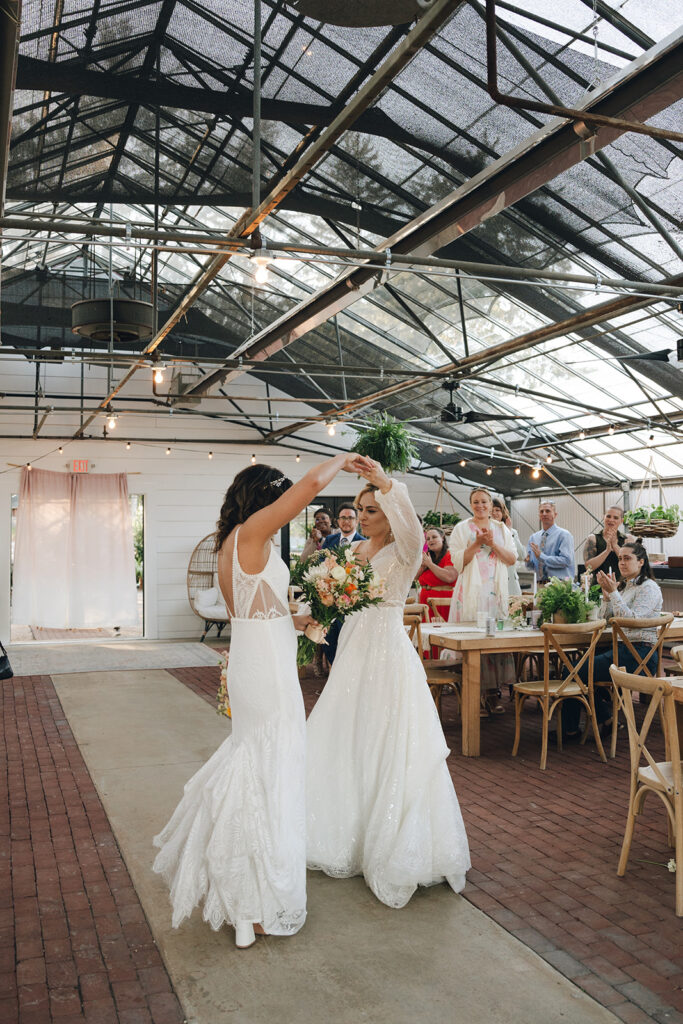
(646, 572)
(252, 489)
(437, 556)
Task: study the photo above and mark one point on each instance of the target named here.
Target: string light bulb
(650, 439)
(582, 435)
(168, 451)
(127, 446)
(439, 448)
(298, 458)
(610, 429)
(60, 450)
(111, 422)
(28, 466)
(548, 458)
(210, 455)
(253, 460)
(489, 470)
(463, 462)
(518, 470)
(536, 472)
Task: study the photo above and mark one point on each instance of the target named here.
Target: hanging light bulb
(439, 448)
(261, 259)
(489, 470)
(210, 455)
(650, 439)
(253, 460)
(463, 462)
(536, 472)
(261, 273)
(28, 466)
(610, 429)
(582, 435)
(548, 459)
(168, 451)
(159, 375)
(331, 429)
(60, 450)
(127, 446)
(298, 458)
(111, 422)
(518, 470)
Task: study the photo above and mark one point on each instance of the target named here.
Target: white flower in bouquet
(338, 573)
(316, 572)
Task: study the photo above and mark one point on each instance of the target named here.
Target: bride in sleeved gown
(380, 800)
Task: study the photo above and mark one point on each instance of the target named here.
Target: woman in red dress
(437, 575)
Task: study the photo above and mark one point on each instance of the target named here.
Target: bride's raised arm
(394, 500)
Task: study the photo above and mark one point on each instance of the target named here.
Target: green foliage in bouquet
(388, 442)
(440, 519)
(646, 514)
(562, 596)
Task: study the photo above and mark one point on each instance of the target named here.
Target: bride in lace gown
(380, 801)
(237, 838)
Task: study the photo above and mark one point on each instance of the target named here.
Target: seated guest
(347, 517)
(321, 530)
(602, 547)
(635, 596)
(551, 549)
(501, 515)
(436, 575)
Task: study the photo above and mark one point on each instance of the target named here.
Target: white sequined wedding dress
(237, 838)
(380, 800)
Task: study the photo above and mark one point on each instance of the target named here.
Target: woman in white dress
(237, 838)
(482, 551)
(380, 798)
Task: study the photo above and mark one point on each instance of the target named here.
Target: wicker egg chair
(200, 581)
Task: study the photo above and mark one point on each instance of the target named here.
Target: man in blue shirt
(551, 549)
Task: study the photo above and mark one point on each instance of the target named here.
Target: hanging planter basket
(654, 521)
(438, 515)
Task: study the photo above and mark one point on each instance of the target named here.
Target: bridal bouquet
(334, 585)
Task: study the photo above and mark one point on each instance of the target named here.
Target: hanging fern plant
(388, 442)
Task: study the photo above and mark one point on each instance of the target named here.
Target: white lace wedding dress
(237, 838)
(380, 800)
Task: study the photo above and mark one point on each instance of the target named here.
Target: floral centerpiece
(334, 584)
(222, 698)
(518, 609)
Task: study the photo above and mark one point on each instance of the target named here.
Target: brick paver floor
(545, 847)
(74, 941)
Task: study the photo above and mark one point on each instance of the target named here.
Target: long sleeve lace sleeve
(405, 526)
(646, 602)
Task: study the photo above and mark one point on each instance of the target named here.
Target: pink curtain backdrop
(74, 564)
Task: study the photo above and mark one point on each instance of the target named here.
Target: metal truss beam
(650, 84)
(10, 15)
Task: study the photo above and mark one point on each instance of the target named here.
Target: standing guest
(636, 596)
(437, 575)
(347, 520)
(501, 515)
(347, 517)
(481, 551)
(603, 546)
(551, 549)
(321, 530)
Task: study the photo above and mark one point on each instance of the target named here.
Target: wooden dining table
(472, 642)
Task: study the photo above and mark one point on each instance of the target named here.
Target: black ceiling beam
(9, 46)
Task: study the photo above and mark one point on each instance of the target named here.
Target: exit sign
(80, 466)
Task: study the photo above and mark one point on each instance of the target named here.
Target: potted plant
(388, 442)
(445, 520)
(653, 520)
(561, 601)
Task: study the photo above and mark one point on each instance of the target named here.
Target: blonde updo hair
(481, 490)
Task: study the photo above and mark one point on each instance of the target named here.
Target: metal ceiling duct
(123, 320)
(362, 13)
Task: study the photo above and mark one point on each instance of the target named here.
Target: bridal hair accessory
(279, 482)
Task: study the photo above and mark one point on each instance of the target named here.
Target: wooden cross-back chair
(651, 660)
(664, 778)
(440, 673)
(554, 688)
(436, 602)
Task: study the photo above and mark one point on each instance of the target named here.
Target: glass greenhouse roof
(126, 106)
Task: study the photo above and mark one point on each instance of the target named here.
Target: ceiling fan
(453, 413)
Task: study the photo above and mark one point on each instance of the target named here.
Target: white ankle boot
(244, 934)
